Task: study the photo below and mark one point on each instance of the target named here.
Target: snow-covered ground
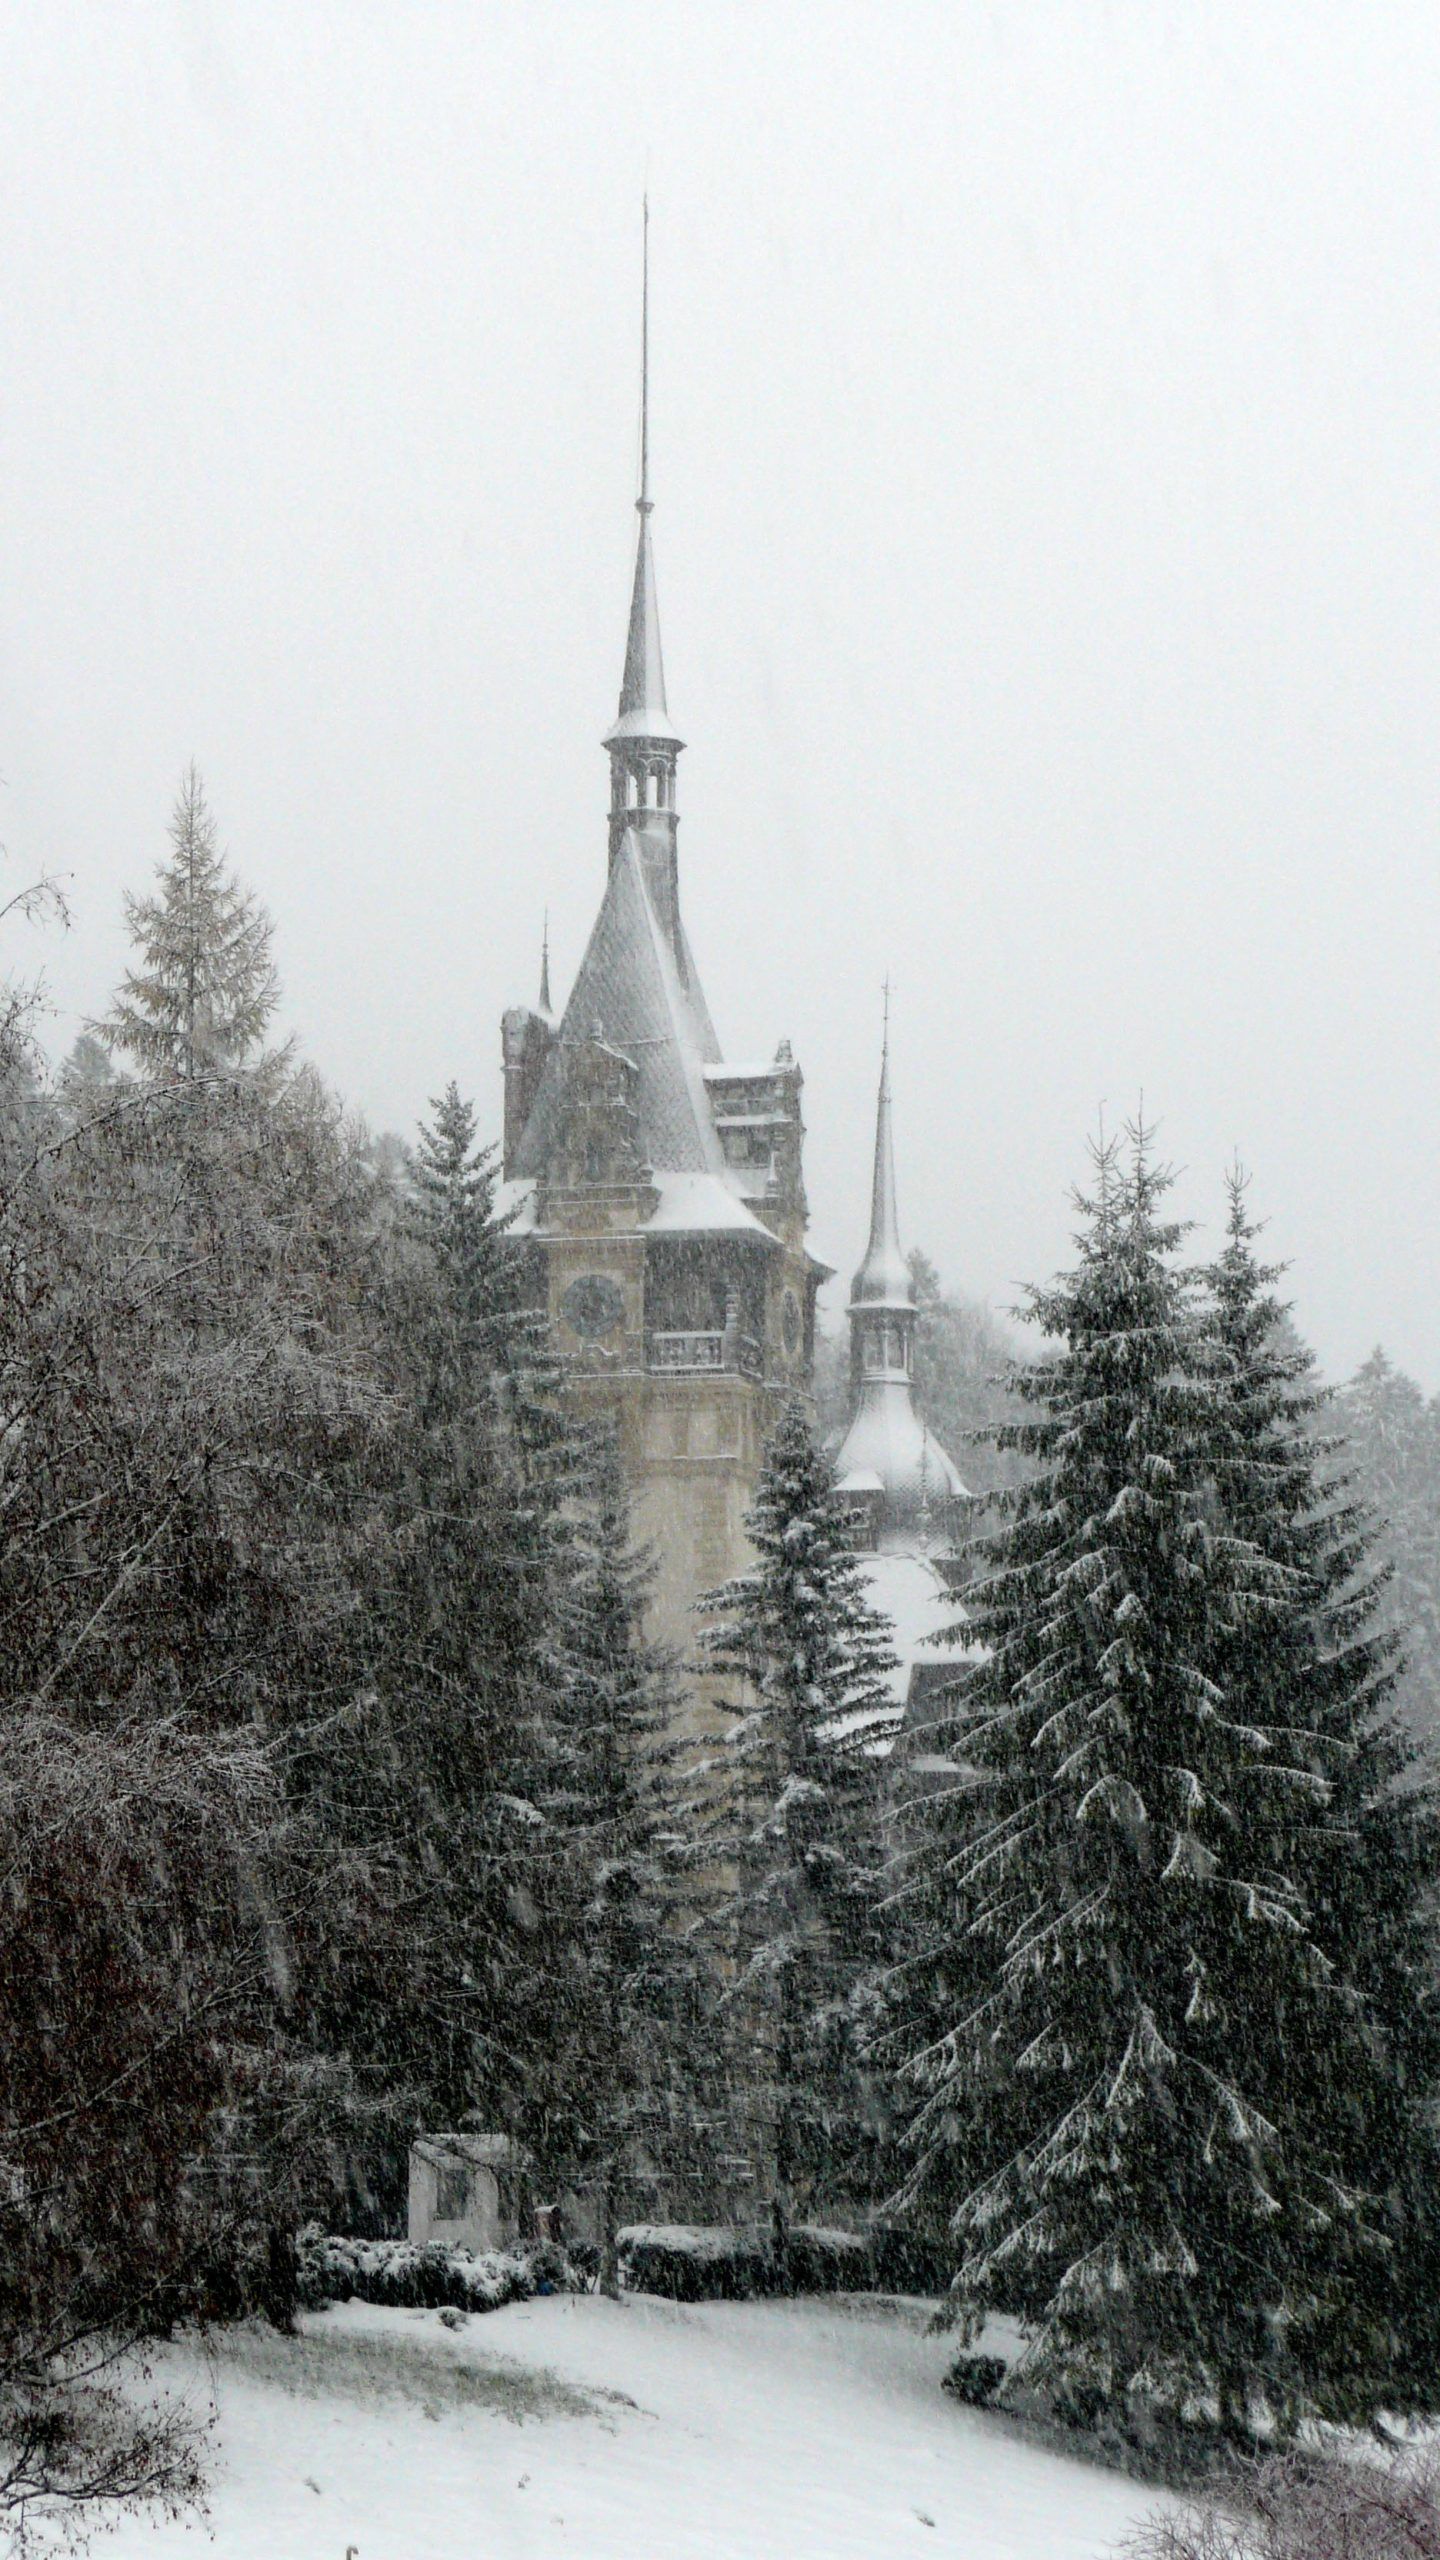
(640, 2430)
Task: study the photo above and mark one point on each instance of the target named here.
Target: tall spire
(643, 713)
(883, 1279)
(545, 1005)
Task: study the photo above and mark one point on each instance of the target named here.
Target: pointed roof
(643, 712)
(629, 991)
(545, 1005)
(887, 1448)
(883, 1279)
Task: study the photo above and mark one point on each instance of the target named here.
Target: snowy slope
(641, 2430)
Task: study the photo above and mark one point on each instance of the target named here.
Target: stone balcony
(688, 1354)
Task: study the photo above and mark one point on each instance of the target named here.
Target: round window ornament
(594, 1306)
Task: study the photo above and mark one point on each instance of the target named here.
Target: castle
(658, 1194)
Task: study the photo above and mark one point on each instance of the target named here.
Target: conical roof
(883, 1279)
(629, 991)
(643, 711)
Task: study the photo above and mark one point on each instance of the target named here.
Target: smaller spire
(887, 1460)
(545, 1005)
(883, 1278)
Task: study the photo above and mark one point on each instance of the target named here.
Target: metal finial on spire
(643, 502)
(545, 1005)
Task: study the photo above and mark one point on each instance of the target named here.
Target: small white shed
(468, 2190)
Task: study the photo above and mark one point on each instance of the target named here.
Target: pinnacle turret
(896, 1473)
(883, 1279)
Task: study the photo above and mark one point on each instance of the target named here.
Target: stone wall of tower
(691, 1440)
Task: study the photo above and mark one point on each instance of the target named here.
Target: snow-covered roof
(701, 1204)
(910, 1591)
(886, 1438)
(689, 1204)
(641, 995)
(481, 2150)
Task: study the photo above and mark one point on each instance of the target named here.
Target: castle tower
(658, 1192)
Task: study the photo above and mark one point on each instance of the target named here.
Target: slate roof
(630, 990)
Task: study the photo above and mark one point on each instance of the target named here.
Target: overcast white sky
(1046, 443)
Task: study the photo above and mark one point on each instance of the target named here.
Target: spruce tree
(805, 1841)
(1392, 1440)
(1114, 2103)
(1323, 1662)
(203, 990)
(426, 1787)
(613, 2112)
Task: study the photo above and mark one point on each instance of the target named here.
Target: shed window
(452, 2191)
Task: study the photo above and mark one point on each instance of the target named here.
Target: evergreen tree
(454, 1218)
(1119, 1901)
(805, 1846)
(185, 1389)
(1392, 1441)
(1322, 1662)
(614, 2112)
(204, 988)
(427, 1789)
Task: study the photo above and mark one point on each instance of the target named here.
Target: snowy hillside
(641, 2430)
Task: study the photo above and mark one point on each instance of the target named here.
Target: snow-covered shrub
(693, 2262)
(724, 2262)
(906, 2261)
(1291, 2509)
(975, 2379)
(396, 2273)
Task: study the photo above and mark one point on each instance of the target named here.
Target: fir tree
(1118, 1906)
(799, 1631)
(204, 989)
